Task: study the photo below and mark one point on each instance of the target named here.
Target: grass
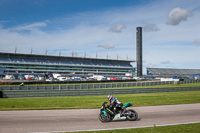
(178, 85)
(78, 102)
(168, 85)
(183, 128)
(159, 86)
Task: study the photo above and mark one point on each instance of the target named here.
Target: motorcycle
(107, 114)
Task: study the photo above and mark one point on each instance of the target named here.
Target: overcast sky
(104, 28)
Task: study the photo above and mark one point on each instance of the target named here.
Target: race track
(87, 119)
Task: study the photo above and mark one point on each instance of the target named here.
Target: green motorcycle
(107, 114)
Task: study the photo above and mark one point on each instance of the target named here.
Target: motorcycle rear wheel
(133, 115)
(104, 118)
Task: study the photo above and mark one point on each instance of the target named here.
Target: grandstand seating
(66, 62)
(56, 63)
(170, 71)
(4, 59)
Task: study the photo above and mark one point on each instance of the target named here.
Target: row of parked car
(59, 77)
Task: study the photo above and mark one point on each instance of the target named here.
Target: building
(15, 63)
(169, 72)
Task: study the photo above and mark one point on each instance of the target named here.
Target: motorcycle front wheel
(104, 118)
(132, 115)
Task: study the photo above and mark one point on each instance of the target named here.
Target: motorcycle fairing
(104, 112)
(127, 105)
(109, 111)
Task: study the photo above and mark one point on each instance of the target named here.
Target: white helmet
(109, 97)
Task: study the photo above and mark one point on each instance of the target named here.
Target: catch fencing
(90, 89)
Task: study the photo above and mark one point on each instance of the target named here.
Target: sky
(104, 29)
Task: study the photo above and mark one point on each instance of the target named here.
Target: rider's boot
(121, 112)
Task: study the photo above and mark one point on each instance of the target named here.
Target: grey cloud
(150, 65)
(177, 15)
(165, 62)
(196, 42)
(107, 46)
(117, 28)
(150, 28)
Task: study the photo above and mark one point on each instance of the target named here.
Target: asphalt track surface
(87, 119)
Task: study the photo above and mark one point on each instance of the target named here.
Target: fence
(92, 86)
(89, 89)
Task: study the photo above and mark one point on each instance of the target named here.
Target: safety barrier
(90, 92)
(89, 89)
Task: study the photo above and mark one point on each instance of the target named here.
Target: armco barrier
(90, 92)
(83, 86)
(88, 89)
(91, 86)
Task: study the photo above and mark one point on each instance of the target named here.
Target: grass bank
(167, 85)
(159, 86)
(184, 128)
(78, 102)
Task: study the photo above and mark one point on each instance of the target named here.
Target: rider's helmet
(109, 97)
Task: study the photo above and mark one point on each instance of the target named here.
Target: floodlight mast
(139, 50)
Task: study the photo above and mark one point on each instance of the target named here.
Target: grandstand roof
(60, 57)
(172, 71)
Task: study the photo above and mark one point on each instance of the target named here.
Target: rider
(117, 105)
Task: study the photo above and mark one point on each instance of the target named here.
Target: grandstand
(172, 72)
(13, 63)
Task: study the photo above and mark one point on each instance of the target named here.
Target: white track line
(121, 128)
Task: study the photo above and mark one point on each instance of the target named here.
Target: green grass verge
(168, 85)
(77, 102)
(178, 85)
(159, 86)
(183, 128)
